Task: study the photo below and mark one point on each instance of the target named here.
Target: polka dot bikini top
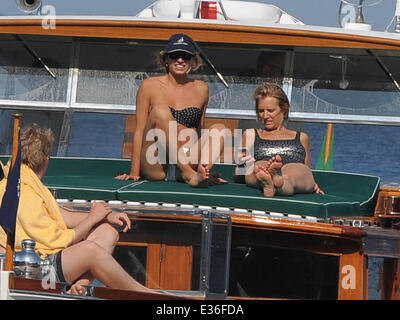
(189, 117)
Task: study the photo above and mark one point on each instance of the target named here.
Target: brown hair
(163, 61)
(272, 90)
(36, 143)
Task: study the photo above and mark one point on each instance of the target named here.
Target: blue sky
(312, 12)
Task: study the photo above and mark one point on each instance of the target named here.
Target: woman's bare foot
(202, 174)
(274, 168)
(263, 175)
(216, 178)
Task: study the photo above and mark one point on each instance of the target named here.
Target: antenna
(397, 15)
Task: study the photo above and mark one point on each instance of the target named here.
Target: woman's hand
(318, 190)
(125, 176)
(120, 219)
(245, 164)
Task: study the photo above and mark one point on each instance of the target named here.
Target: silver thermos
(27, 262)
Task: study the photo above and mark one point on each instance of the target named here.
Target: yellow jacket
(38, 216)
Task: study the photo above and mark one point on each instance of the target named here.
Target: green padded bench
(91, 179)
(346, 194)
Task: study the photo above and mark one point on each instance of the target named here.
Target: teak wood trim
(31, 286)
(176, 267)
(202, 32)
(391, 279)
(352, 276)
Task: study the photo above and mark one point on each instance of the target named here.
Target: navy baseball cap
(181, 42)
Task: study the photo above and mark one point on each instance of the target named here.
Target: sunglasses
(180, 54)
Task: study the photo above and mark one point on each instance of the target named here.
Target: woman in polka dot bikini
(172, 106)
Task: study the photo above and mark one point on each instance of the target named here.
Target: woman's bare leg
(213, 146)
(260, 178)
(297, 178)
(160, 118)
(274, 167)
(88, 256)
(274, 178)
(290, 178)
(106, 236)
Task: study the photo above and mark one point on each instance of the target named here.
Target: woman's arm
(204, 91)
(305, 141)
(143, 103)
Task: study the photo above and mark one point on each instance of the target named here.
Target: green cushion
(92, 179)
(338, 200)
(346, 194)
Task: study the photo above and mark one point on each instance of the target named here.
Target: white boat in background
(225, 242)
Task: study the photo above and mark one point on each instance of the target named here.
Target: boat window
(345, 85)
(274, 264)
(111, 80)
(23, 75)
(50, 119)
(104, 139)
(134, 261)
(114, 76)
(271, 272)
(189, 250)
(244, 69)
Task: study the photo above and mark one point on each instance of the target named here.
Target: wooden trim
(351, 276)
(176, 271)
(153, 269)
(390, 281)
(162, 30)
(287, 225)
(263, 223)
(33, 286)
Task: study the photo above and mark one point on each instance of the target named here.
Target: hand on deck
(125, 176)
(318, 190)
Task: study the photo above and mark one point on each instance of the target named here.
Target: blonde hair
(36, 143)
(272, 90)
(163, 61)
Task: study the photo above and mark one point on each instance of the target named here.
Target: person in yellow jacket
(78, 245)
